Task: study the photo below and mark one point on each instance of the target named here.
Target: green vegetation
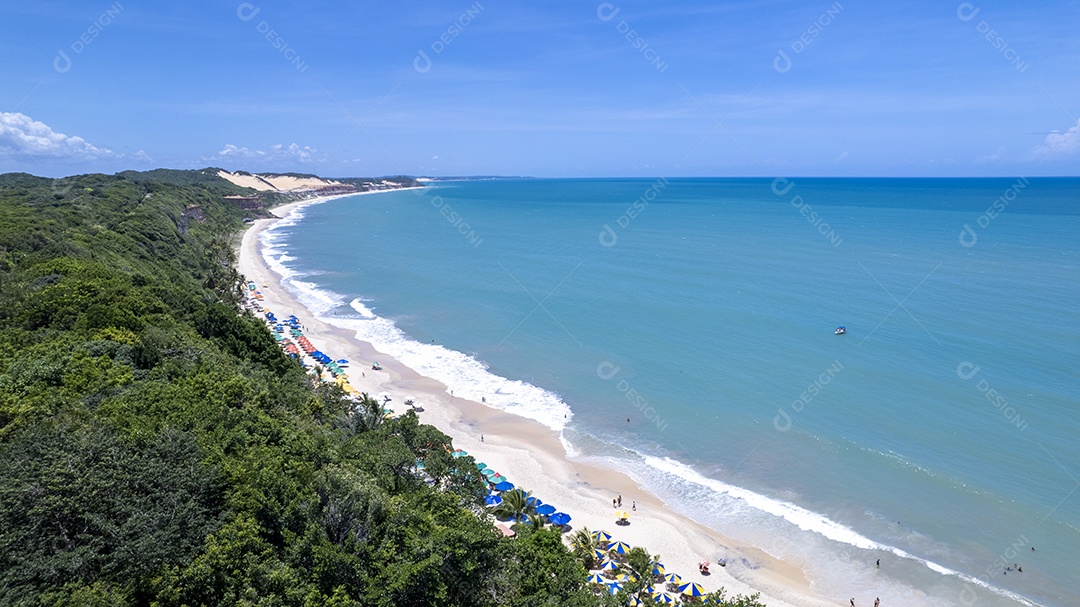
(158, 448)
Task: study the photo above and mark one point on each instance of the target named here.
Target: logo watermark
(608, 371)
(608, 236)
(422, 63)
(452, 217)
(782, 420)
(1003, 563)
(781, 186)
(783, 63)
(967, 371)
(607, 11)
(246, 11)
(63, 62)
(968, 236)
(967, 11)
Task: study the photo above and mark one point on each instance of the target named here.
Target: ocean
(682, 331)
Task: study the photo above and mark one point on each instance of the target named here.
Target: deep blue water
(939, 434)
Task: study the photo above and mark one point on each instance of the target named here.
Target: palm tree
(640, 564)
(514, 504)
(584, 546)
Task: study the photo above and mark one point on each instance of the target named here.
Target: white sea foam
(466, 376)
(809, 521)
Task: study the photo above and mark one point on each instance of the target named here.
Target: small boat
(840, 331)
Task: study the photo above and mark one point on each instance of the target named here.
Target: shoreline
(521, 448)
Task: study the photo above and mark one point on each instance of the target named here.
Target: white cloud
(276, 152)
(1061, 143)
(21, 133)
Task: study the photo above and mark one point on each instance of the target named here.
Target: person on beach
(634, 506)
(613, 503)
(620, 501)
(481, 438)
(852, 601)
(877, 602)
(879, 563)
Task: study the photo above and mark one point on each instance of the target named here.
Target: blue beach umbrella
(532, 501)
(545, 509)
(609, 565)
(492, 500)
(692, 589)
(504, 486)
(559, 518)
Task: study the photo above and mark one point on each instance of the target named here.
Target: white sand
(531, 456)
(279, 183)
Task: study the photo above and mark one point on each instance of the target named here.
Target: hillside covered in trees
(157, 448)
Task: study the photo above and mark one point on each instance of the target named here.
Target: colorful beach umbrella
(596, 578)
(601, 536)
(614, 587)
(673, 578)
(657, 568)
(493, 500)
(692, 589)
(609, 565)
(545, 509)
(559, 518)
(663, 597)
(622, 514)
(633, 601)
(599, 555)
(459, 453)
(619, 548)
(504, 486)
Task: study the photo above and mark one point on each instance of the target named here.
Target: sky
(546, 89)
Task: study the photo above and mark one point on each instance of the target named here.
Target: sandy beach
(532, 456)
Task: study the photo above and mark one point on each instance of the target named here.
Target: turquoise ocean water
(940, 435)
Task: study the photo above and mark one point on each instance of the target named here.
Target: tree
(584, 546)
(515, 503)
(640, 564)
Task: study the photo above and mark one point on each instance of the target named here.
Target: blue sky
(622, 88)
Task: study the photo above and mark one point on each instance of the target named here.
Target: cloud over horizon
(1056, 142)
(20, 133)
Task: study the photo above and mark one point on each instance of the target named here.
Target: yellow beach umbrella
(692, 589)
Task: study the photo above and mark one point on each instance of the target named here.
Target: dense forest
(158, 448)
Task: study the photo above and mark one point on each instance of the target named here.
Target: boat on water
(840, 331)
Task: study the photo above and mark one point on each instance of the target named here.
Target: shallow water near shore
(937, 435)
